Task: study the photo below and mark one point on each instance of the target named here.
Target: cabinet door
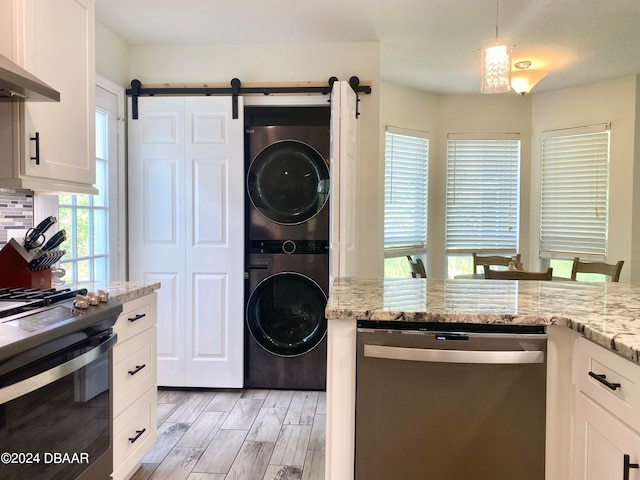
(345, 138)
(601, 442)
(59, 49)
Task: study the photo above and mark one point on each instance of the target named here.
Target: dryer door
(288, 182)
(285, 314)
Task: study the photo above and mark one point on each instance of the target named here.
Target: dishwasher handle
(453, 356)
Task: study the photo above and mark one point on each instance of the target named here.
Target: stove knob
(93, 298)
(81, 302)
(103, 296)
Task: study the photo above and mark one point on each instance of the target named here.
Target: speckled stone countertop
(119, 291)
(606, 313)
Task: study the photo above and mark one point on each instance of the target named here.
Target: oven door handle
(31, 384)
(453, 356)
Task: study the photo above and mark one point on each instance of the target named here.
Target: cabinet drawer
(127, 449)
(137, 315)
(622, 398)
(134, 369)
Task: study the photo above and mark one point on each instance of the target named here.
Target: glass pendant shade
(522, 81)
(496, 66)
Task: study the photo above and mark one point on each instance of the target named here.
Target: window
(85, 219)
(405, 197)
(574, 193)
(483, 191)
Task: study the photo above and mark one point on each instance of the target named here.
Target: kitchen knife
(54, 241)
(33, 238)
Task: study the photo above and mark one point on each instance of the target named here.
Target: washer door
(285, 314)
(288, 182)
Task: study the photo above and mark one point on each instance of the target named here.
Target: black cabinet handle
(138, 433)
(138, 368)
(137, 317)
(628, 466)
(37, 140)
(603, 380)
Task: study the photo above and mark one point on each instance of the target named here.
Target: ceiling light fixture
(496, 63)
(523, 79)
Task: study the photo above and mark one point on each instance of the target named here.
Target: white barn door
(345, 149)
(186, 230)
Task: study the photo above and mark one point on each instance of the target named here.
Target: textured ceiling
(431, 45)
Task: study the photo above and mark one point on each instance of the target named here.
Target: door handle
(453, 356)
(137, 369)
(37, 140)
(602, 379)
(627, 466)
(56, 373)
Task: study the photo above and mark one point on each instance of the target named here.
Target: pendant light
(496, 63)
(523, 79)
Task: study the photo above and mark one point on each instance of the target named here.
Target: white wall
(613, 101)
(112, 56)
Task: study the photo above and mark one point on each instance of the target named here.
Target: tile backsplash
(16, 213)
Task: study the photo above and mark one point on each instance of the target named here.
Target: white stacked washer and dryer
(287, 247)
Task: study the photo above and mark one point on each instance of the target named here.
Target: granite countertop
(606, 313)
(123, 291)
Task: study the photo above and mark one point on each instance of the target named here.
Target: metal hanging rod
(234, 90)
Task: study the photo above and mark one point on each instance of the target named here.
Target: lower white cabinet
(602, 444)
(134, 385)
(606, 443)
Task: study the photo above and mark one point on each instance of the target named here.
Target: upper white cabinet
(53, 40)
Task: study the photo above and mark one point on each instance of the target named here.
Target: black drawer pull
(603, 380)
(138, 433)
(137, 317)
(138, 368)
(37, 140)
(627, 466)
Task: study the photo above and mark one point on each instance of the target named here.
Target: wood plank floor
(237, 435)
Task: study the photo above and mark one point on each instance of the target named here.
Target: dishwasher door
(450, 406)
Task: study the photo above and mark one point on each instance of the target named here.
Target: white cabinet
(134, 385)
(186, 230)
(55, 41)
(606, 444)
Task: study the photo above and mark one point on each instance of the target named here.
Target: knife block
(14, 268)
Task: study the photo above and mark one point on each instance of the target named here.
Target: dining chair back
(516, 274)
(491, 260)
(416, 267)
(611, 270)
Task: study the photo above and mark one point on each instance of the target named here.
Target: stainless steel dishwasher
(450, 401)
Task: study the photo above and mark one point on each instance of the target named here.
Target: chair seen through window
(416, 266)
(491, 260)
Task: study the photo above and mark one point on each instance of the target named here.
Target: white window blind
(405, 192)
(574, 193)
(483, 187)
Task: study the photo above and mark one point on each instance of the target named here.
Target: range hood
(17, 83)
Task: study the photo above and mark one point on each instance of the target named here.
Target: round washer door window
(285, 314)
(288, 182)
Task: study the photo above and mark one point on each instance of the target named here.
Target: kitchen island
(604, 313)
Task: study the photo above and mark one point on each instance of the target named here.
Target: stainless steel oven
(56, 393)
